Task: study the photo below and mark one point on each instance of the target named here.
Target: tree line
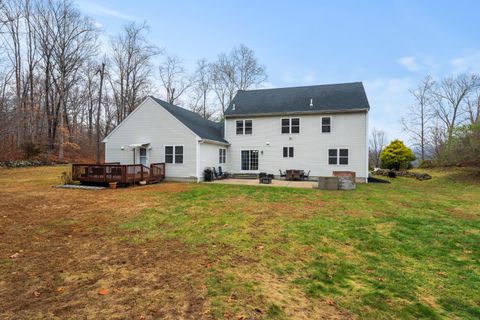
(443, 123)
(62, 90)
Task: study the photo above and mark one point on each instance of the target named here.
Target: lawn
(405, 250)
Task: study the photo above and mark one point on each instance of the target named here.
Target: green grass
(406, 250)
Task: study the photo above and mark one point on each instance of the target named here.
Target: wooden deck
(120, 173)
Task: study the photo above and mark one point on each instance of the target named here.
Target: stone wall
(403, 173)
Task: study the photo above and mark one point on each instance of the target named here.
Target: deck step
(244, 176)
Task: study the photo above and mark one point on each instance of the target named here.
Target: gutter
(238, 115)
(213, 142)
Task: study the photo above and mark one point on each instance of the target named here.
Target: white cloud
(470, 62)
(298, 78)
(409, 63)
(98, 9)
(389, 99)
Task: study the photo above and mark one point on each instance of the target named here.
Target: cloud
(389, 99)
(409, 63)
(98, 9)
(297, 78)
(470, 62)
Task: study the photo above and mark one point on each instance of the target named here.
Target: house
(320, 129)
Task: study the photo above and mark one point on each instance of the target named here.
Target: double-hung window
(338, 156)
(244, 126)
(173, 154)
(222, 155)
(291, 125)
(326, 124)
(288, 152)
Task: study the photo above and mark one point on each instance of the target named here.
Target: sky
(388, 45)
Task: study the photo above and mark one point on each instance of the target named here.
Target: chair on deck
(282, 174)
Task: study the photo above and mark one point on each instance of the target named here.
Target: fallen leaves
(103, 292)
(15, 255)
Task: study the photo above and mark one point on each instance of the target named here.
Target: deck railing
(121, 173)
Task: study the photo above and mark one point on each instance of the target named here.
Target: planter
(112, 185)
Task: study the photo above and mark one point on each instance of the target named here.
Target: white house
(320, 129)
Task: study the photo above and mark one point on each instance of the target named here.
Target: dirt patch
(465, 215)
(292, 301)
(60, 249)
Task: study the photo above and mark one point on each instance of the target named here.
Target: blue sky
(388, 45)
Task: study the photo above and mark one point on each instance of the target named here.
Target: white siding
(209, 157)
(311, 145)
(151, 123)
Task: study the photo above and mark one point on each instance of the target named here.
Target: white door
(143, 153)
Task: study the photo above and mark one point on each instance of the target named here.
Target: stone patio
(275, 183)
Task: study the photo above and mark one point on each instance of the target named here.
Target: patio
(275, 183)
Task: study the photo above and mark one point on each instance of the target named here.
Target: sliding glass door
(249, 160)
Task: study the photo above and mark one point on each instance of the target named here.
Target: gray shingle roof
(204, 128)
(326, 98)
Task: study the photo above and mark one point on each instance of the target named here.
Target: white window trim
(222, 157)
(321, 125)
(338, 156)
(165, 155)
(243, 127)
(290, 125)
(249, 160)
(288, 152)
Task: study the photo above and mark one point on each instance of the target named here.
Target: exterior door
(249, 160)
(143, 154)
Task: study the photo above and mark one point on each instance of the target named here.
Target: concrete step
(244, 176)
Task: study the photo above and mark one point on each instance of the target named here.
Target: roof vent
(311, 102)
(233, 106)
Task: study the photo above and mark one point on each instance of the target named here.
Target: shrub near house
(397, 156)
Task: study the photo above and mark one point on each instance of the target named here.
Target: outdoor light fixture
(267, 143)
(122, 148)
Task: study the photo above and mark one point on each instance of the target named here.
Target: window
(288, 152)
(239, 126)
(173, 154)
(249, 159)
(244, 126)
(143, 156)
(285, 125)
(291, 125)
(295, 125)
(326, 124)
(222, 155)
(338, 156)
(343, 156)
(248, 126)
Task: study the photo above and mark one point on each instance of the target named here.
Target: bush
(462, 149)
(397, 156)
(30, 150)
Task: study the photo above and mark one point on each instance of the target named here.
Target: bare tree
(451, 96)
(239, 70)
(174, 78)
(377, 142)
(202, 85)
(130, 68)
(11, 16)
(75, 44)
(473, 107)
(420, 114)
